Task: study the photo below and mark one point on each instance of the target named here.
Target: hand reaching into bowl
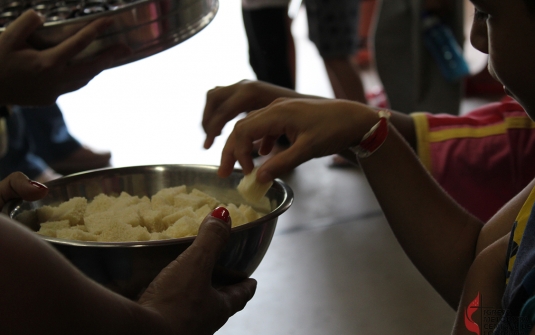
(47, 293)
(225, 103)
(37, 77)
(315, 127)
(316, 121)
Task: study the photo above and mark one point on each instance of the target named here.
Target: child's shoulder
(502, 222)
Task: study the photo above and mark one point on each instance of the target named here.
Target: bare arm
(47, 293)
(484, 287)
(225, 103)
(438, 235)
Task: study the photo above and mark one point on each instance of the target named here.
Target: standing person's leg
(333, 27)
(271, 48)
(393, 52)
(411, 78)
(345, 79)
(363, 56)
(50, 139)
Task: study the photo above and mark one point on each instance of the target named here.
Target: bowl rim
(274, 214)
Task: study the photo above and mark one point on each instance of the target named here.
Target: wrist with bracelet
(374, 138)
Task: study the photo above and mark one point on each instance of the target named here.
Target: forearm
(43, 293)
(403, 122)
(437, 234)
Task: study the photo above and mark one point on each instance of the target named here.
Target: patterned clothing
(487, 154)
(332, 26)
(520, 275)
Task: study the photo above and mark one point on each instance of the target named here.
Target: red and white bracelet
(374, 138)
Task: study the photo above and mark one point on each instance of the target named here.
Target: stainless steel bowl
(146, 26)
(128, 267)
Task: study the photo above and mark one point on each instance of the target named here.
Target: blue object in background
(439, 40)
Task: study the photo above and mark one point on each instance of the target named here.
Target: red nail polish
(38, 185)
(221, 213)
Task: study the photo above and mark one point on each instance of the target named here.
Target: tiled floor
(334, 266)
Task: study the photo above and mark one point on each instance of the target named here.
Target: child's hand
(37, 77)
(225, 103)
(183, 296)
(315, 128)
(18, 186)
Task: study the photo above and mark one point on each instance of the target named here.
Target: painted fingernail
(38, 185)
(221, 213)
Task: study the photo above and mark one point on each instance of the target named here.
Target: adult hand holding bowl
(184, 287)
(47, 294)
(128, 267)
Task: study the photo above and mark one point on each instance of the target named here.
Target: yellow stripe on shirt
(422, 139)
(521, 222)
(514, 122)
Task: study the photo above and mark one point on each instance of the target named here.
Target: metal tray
(146, 26)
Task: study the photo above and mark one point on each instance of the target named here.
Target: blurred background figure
(364, 55)
(271, 45)
(409, 74)
(333, 27)
(40, 145)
